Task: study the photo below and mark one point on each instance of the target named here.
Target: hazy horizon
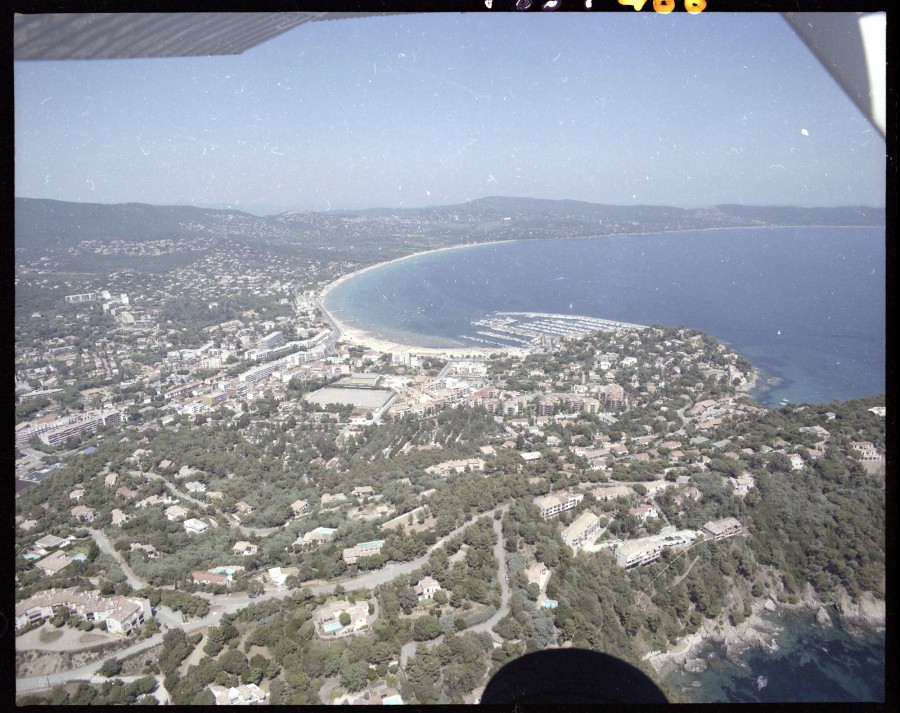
(418, 110)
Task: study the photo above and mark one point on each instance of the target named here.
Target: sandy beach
(378, 343)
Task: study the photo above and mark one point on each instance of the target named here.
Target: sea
(810, 665)
(805, 305)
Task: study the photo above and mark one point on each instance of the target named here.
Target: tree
(111, 667)
(344, 619)
(233, 661)
(426, 627)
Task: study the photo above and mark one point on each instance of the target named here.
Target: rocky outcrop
(822, 618)
(866, 612)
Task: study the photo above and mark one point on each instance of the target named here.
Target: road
(232, 603)
(409, 648)
(105, 546)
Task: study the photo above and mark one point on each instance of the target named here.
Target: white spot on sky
(46, 100)
(804, 132)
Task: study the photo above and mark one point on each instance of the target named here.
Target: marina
(528, 329)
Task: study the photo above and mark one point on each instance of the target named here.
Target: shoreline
(857, 619)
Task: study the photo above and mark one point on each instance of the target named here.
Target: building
(175, 512)
(329, 615)
(54, 562)
(210, 578)
(243, 507)
(195, 526)
(557, 502)
(426, 588)
(539, 574)
(270, 340)
(450, 467)
(244, 548)
(247, 694)
(83, 513)
(122, 615)
(60, 431)
(585, 528)
(642, 512)
(363, 491)
(721, 529)
(612, 492)
(84, 297)
(300, 507)
(320, 534)
(637, 553)
(363, 549)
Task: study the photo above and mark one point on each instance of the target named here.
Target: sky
(436, 109)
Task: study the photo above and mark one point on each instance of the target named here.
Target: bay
(805, 305)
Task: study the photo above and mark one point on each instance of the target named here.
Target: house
(148, 550)
(637, 553)
(796, 461)
(539, 574)
(720, 529)
(642, 512)
(119, 517)
(195, 486)
(244, 548)
(363, 491)
(154, 500)
(48, 541)
(327, 499)
(54, 562)
(83, 513)
(279, 575)
(426, 588)
(210, 578)
(247, 694)
(557, 502)
(585, 528)
(530, 456)
(612, 492)
(76, 494)
(742, 484)
(320, 534)
(195, 526)
(363, 549)
(175, 512)
(110, 480)
(329, 615)
(243, 508)
(125, 493)
(300, 507)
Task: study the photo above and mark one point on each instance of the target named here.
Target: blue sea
(805, 305)
(811, 665)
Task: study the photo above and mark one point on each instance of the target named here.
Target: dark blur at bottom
(575, 676)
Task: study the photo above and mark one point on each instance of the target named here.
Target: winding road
(232, 603)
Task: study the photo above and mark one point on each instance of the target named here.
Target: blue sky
(435, 109)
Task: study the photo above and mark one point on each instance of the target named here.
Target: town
(221, 497)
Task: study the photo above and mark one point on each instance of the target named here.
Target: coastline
(365, 338)
(858, 619)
